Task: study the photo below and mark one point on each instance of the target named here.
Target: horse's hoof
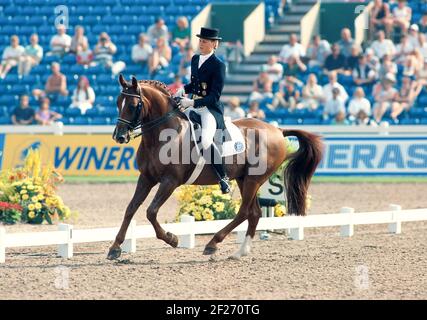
(209, 251)
(114, 254)
(173, 239)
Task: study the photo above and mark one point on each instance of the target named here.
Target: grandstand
(123, 20)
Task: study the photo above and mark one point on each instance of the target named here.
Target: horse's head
(130, 104)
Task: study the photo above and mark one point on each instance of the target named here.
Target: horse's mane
(158, 85)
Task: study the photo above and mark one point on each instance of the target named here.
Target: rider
(207, 82)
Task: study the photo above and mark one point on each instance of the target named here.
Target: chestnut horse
(150, 106)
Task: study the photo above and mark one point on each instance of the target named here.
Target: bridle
(136, 122)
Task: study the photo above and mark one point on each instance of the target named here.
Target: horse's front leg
(143, 188)
(165, 190)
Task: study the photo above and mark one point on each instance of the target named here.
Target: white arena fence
(187, 229)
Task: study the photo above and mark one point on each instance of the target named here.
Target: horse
(149, 105)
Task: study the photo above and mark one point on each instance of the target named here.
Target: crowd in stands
(348, 84)
(342, 82)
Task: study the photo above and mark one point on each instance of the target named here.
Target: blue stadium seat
(155, 10)
(5, 120)
(73, 112)
(81, 121)
(100, 121)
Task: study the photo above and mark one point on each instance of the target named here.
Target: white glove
(179, 93)
(186, 103)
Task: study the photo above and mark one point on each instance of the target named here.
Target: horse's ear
(122, 80)
(134, 82)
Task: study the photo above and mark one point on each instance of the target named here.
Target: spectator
(422, 75)
(56, 85)
(83, 96)
(157, 30)
(358, 103)
(181, 33)
(32, 56)
(380, 17)
(317, 52)
(255, 112)
(24, 114)
(287, 97)
(387, 67)
(312, 94)
(334, 105)
(44, 116)
(79, 40)
(347, 43)
(262, 87)
(423, 46)
(176, 85)
(335, 61)
(84, 55)
(340, 119)
(104, 52)
(402, 15)
(11, 56)
(292, 68)
(363, 74)
(383, 46)
(384, 94)
(403, 49)
(372, 60)
(294, 48)
(185, 64)
(406, 97)
(414, 35)
(161, 57)
(233, 109)
(353, 59)
(422, 25)
(141, 52)
(327, 89)
(410, 66)
(274, 69)
(364, 120)
(60, 43)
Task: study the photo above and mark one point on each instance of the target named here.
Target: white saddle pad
(234, 144)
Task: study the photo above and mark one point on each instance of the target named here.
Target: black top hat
(208, 33)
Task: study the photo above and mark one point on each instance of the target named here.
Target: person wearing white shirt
(157, 30)
(31, 57)
(383, 46)
(403, 49)
(60, 43)
(142, 51)
(233, 109)
(358, 103)
(274, 69)
(402, 15)
(334, 105)
(83, 95)
(292, 49)
(413, 35)
(11, 56)
(328, 88)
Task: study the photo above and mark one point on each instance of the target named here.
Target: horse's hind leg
(254, 215)
(143, 188)
(248, 189)
(165, 191)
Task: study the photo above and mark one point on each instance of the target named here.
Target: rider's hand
(186, 103)
(179, 93)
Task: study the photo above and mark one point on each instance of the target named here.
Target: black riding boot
(219, 168)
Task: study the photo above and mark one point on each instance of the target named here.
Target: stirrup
(224, 183)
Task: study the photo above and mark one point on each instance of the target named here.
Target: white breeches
(208, 126)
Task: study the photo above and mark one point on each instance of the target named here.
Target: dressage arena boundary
(187, 229)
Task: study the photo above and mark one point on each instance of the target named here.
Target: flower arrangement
(27, 194)
(206, 203)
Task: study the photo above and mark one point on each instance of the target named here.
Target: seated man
(24, 114)
(335, 61)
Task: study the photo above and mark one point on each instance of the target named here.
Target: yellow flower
(25, 197)
(23, 191)
(279, 210)
(31, 215)
(34, 199)
(197, 216)
(40, 196)
(219, 206)
(38, 205)
(31, 207)
(30, 187)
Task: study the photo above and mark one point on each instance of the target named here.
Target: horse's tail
(300, 168)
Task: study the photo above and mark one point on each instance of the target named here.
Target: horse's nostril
(121, 139)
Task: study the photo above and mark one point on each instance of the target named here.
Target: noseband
(136, 122)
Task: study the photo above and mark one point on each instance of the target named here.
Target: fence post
(2, 245)
(297, 233)
(347, 230)
(396, 226)
(129, 245)
(66, 250)
(189, 240)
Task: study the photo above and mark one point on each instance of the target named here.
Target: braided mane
(158, 85)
